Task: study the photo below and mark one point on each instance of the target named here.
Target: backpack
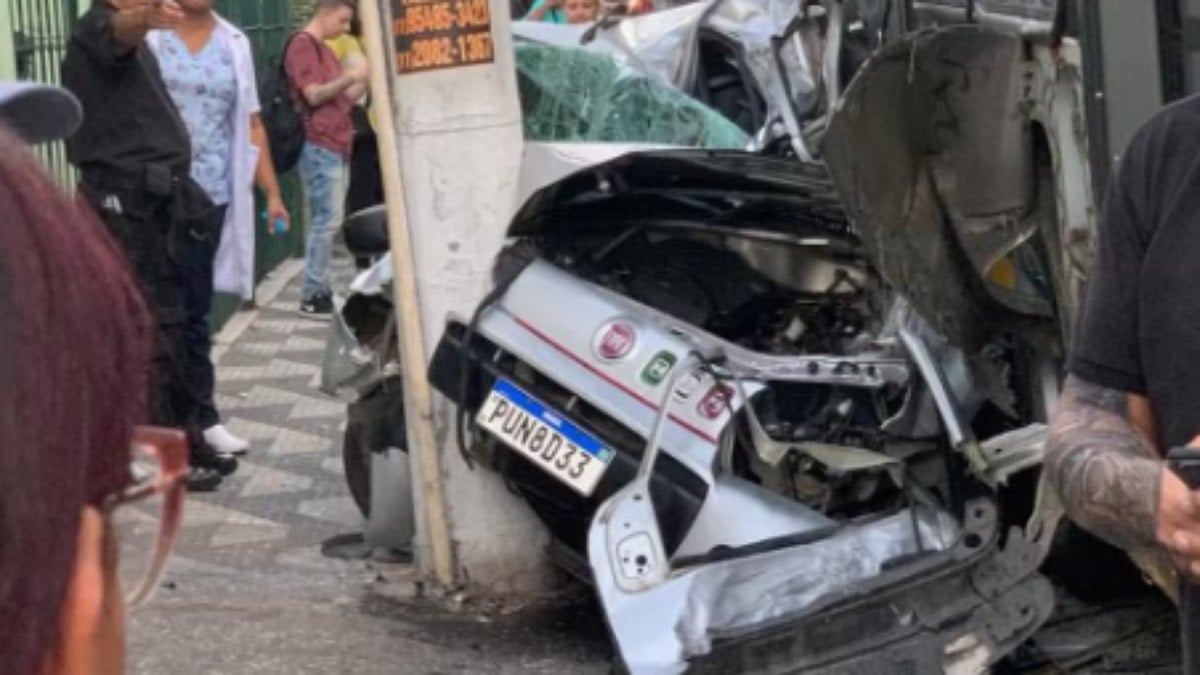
(281, 116)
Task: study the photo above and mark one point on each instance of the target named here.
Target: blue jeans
(324, 175)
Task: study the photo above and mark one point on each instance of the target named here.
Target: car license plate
(551, 441)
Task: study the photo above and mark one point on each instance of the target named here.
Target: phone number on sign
(442, 17)
(446, 51)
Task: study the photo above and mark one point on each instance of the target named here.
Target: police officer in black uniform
(133, 154)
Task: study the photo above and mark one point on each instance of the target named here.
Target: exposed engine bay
(783, 298)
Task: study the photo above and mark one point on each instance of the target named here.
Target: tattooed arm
(1112, 479)
(1104, 468)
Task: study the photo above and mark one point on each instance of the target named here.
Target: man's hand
(277, 212)
(1178, 524)
(163, 14)
(134, 18)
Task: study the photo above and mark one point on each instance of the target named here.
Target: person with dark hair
(134, 157)
(326, 94)
(74, 346)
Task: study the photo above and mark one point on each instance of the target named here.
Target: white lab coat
(233, 270)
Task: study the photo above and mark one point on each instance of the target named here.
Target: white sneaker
(224, 442)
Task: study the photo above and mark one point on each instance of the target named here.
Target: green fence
(38, 31)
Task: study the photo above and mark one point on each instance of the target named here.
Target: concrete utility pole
(450, 141)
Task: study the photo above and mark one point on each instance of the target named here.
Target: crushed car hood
(732, 190)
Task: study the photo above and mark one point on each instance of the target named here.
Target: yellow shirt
(348, 45)
(345, 45)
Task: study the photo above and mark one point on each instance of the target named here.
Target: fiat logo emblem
(715, 402)
(615, 340)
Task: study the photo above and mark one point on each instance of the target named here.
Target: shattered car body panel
(979, 174)
(829, 606)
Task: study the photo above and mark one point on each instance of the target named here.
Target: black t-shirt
(129, 120)
(1140, 327)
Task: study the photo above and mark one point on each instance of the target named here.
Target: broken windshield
(579, 96)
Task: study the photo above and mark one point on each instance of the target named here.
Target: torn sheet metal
(376, 280)
(740, 594)
(737, 513)
(349, 364)
(1028, 18)
(711, 610)
(346, 364)
(660, 44)
(845, 459)
(955, 147)
(1012, 452)
(777, 42)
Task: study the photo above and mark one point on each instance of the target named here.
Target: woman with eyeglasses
(74, 350)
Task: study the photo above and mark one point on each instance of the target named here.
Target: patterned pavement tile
(302, 406)
(248, 590)
(289, 493)
(253, 348)
(265, 480)
(302, 344)
(274, 370)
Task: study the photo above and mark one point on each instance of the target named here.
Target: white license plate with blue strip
(551, 441)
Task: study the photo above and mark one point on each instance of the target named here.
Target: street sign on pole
(432, 34)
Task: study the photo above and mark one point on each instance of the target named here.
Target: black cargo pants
(161, 230)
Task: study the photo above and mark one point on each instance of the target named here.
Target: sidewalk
(248, 589)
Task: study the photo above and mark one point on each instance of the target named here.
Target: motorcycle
(361, 357)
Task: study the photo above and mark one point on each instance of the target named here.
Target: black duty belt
(157, 179)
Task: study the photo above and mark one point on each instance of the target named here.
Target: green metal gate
(39, 31)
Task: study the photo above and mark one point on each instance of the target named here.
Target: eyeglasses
(152, 509)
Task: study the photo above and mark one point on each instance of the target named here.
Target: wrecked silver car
(741, 436)
(784, 410)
